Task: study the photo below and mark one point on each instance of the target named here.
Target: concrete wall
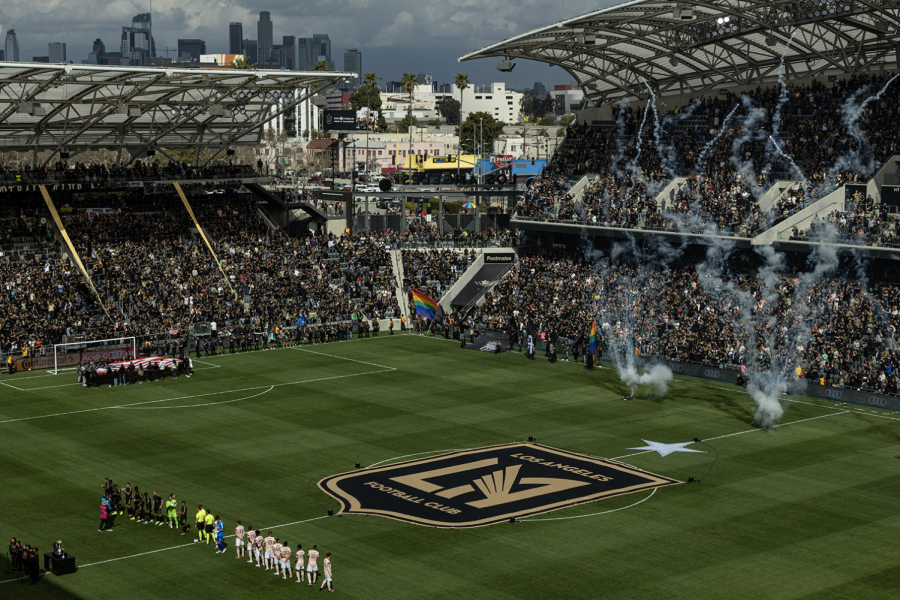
(782, 231)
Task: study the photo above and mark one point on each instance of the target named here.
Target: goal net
(67, 357)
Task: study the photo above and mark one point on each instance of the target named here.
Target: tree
(531, 105)
(548, 105)
(450, 110)
(367, 95)
(409, 83)
(242, 63)
(480, 126)
(461, 83)
(404, 124)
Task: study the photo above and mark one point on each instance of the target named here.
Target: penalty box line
(103, 562)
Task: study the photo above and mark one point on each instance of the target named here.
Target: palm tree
(369, 82)
(409, 83)
(242, 63)
(322, 65)
(462, 82)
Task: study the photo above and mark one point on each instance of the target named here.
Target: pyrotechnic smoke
(751, 131)
(657, 378)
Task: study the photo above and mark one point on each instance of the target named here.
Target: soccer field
(806, 511)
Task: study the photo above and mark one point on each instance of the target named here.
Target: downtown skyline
(428, 37)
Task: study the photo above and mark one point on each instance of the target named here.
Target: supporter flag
(595, 341)
(173, 331)
(426, 307)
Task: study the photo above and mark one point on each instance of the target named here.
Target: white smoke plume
(657, 378)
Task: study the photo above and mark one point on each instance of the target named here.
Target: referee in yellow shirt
(200, 522)
(210, 526)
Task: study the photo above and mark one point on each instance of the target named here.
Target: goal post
(112, 350)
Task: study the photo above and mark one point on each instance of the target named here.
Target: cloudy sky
(394, 36)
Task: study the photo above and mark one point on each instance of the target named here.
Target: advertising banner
(117, 354)
(339, 120)
(46, 362)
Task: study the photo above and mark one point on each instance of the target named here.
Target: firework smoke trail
(620, 135)
(635, 169)
(620, 297)
(783, 98)
(851, 113)
(722, 131)
(751, 127)
(790, 161)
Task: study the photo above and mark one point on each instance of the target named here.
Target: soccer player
(327, 573)
(182, 518)
(117, 500)
(138, 506)
(276, 554)
(157, 509)
(210, 526)
(285, 560)
(239, 540)
(147, 506)
(258, 549)
(129, 506)
(312, 570)
(199, 521)
(298, 566)
(269, 542)
(251, 543)
(172, 511)
(220, 535)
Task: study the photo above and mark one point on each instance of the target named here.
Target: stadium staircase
(668, 193)
(402, 300)
(477, 280)
(276, 201)
(835, 201)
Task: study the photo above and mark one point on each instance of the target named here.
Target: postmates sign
(472, 488)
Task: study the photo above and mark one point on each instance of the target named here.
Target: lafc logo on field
(483, 486)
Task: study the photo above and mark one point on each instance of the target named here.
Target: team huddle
(275, 554)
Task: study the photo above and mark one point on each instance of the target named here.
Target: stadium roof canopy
(65, 108)
(697, 46)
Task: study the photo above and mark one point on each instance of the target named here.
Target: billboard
(339, 120)
(223, 60)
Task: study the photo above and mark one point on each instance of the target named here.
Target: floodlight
(506, 66)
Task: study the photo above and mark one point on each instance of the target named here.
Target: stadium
(661, 367)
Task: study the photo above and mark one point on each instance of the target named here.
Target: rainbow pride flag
(594, 345)
(426, 307)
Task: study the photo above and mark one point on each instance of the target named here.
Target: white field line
(103, 562)
(12, 386)
(746, 431)
(605, 512)
(259, 387)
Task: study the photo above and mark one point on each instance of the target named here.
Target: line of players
(276, 555)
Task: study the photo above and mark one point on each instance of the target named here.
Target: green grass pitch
(807, 511)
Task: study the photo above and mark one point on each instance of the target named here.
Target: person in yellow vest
(402, 322)
(377, 327)
(11, 363)
(391, 326)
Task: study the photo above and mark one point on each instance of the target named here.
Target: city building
(113, 58)
(353, 64)
(191, 50)
(250, 51)
(541, 89)
(313, 50)
(97, 55)
(235, 37)
(137, 43)
(264, 38)
(503, 104)
(12, 46)
(2, 54)
(289, 45)
(567, 98)
(56, 51)
(40, 59)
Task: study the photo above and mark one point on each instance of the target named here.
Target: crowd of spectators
(847, 337)
(433, 271)
(79, 172)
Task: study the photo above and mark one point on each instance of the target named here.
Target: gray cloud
(395, 37)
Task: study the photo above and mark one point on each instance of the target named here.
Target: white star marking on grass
(666, 449)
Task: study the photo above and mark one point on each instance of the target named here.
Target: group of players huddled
(268, 551)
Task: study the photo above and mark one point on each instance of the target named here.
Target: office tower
(289, 43)
(540, 89)
(353, 64)
(12, 46)
(264, 37)
(56, 51)
(250, 52)
(313, 50)
(40, 59)
(137, 42)
(235, 37)
(2, 55)
(190, 50)
(97, 55)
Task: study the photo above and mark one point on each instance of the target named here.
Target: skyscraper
(249, 51)
(264, 37)
(57, 52)
(190, 50)
(12, 46)
(289, 43)
(137, 42)
(353, 64)
(97, 55)
(312, 50)
(235, 37)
